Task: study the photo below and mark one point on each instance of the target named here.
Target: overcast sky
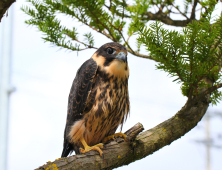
(42, 75)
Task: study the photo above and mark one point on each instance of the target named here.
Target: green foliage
(216, 97)
(44, 18)
(137, 9)
(89, 12)
(89, 39)
(190, 55)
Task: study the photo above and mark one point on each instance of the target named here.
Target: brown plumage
(98, 100)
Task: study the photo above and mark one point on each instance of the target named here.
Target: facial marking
(105, 58)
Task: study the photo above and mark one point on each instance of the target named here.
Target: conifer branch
(164, 18)
(193, 57)
(176, 64)
(181, 55)
(110, 35)
(87, 45)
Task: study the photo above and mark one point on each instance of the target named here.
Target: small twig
(192, 16)
(88, 46)
(129, 37)
(134, 131)
(104, 26)
(179, 11)
(139, 54)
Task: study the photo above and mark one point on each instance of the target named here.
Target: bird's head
(112, 58)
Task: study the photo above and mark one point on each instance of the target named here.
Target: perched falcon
(98, 100)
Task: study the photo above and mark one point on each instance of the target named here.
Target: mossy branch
(119, 153)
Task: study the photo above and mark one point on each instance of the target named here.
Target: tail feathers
(67, 149)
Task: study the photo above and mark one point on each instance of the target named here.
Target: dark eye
(110, 50)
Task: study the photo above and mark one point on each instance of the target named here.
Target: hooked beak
(121, 56)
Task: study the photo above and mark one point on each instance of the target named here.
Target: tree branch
(139, 54)
(161, 17)
(4, 6)
(118, 153)
(193, 13)
(179, 11)
(165, 19)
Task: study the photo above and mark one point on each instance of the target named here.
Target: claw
(114, 137)
(87, 148)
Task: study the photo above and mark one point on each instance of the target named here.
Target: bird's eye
(110, 51)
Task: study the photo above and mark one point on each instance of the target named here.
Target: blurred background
(40, 78)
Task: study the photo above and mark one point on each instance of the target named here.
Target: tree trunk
(4, 6)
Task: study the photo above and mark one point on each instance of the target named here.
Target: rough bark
(118, 153)
(4, 6)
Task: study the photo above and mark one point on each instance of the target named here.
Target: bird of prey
(98, 101)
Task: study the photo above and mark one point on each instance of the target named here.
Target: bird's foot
(97, 147)
(113, 137)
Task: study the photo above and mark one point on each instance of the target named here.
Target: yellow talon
(88, 148)
(120, 134)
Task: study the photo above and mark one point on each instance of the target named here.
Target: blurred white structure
(5, 87)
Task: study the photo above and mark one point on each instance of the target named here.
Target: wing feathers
(79, 92)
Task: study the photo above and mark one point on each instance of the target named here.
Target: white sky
(43, 75)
